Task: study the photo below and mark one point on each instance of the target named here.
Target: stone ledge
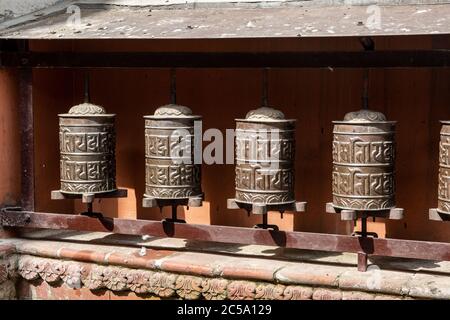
(197, 275)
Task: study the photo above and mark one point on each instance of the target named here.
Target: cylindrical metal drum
(363, 162)
(170, 169)
(444, 169)
(87, 147)
(265, 152)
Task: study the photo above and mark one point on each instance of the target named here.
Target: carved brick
(241, 290)
(297, 293)
(270, 292)
(163, 284)
(214, 289)
(188, 287)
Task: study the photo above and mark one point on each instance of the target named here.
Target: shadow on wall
(417, 99)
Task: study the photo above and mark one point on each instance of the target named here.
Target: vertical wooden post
(27, 135)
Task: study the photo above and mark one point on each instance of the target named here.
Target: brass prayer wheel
(444, 169)
(265, 152)
(170, 171)
(87, 150)
(363, 162)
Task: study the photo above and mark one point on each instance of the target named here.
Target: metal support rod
(368, 45)
(173, 86)
(362, 256)
(363, 227)
(362, 261)
(265, 88)
(87, 94)
(264, 220)
(174, 212)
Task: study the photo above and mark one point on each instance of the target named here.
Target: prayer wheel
(87, 150)
(265, 152)
(170, 171)
(363, 162)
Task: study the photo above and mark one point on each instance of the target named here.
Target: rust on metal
(363, 162)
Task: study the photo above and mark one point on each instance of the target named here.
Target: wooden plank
(299, 240)
(321, 59)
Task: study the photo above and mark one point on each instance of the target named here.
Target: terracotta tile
(382, 281)
(6, 249)
(252, 268)
(135, 260)
(310, 274)
(193, 263)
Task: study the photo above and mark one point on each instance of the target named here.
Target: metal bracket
(257, 208)
(435, 215)
(349, 215)
(88, 197)
(151, 202)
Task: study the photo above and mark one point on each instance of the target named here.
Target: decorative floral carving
(139, 281)
(269, 292)
(94, 279)
(73, 275)
(3, 272)
(163, 284)
(87, 109)
(241, 290)
(364, 115)
(188, 287)
(214, 289)
(297, 293)
(115, 278)
(173, 110)
(265, 113)
(30, 268)
(52, 271)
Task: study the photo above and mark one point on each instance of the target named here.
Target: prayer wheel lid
(173, 111)
(86, 109)
(364, 116)
(265, 114)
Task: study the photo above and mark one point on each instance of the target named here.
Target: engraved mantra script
(87, 163)
(358, 151)
(173, 175)
(260, 149)
(356, 182)
(444, 172)
(363, 170)
(166, 146)
(255, 178)
(98, 142)
(84, 170)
